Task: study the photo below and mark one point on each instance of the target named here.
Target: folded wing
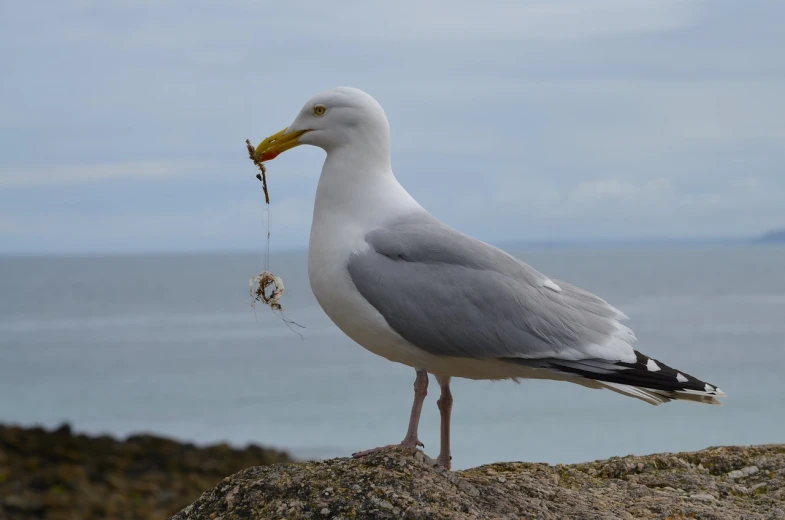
(452, 295)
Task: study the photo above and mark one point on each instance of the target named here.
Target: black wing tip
(675, 380)
(645, 373)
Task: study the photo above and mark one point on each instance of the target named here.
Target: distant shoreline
(776, 236)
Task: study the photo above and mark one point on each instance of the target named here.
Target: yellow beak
(278, 143)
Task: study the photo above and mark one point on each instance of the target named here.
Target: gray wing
(452, 295)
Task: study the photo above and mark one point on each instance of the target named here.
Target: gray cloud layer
(123, 123)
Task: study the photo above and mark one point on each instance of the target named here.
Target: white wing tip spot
(652, 366)
(680, 378)
(709, 388)
(551, 285)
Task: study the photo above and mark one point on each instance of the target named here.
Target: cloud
(38, 175)
(239, 225)
(746, 183)
(614, 189)
(129, 25)
(606, 208)
(551, 20)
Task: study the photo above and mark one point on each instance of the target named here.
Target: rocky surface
(56, 475)
(738, 483)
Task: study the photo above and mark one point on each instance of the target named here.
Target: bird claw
(412, 443)
(446, 462)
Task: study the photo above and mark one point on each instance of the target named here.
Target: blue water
(170, 345)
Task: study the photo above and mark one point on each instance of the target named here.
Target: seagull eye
(319, 110)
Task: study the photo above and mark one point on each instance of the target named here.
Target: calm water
(169, 344)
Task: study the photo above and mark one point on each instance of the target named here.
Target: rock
(399, 483)
(61, 475)
(743, 472)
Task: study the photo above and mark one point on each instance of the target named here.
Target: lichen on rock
(401, 483)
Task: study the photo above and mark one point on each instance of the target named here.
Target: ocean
(169, 344)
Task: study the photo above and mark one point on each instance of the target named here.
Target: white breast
(347, 207)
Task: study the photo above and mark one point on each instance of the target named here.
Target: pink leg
(420, 391)
(445, 409)
(411, 440)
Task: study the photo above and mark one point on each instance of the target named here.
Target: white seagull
(415, 291)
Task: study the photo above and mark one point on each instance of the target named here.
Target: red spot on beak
(268, 156)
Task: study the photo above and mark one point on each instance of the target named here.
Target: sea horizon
(511, 244)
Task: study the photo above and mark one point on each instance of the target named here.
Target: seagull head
(340, 117)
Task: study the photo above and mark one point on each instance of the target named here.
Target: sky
(122, 124)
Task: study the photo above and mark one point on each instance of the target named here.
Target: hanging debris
(266, 287)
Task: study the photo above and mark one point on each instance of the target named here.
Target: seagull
(416, 291)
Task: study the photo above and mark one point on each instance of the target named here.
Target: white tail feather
(657, 397)
(644, 394)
